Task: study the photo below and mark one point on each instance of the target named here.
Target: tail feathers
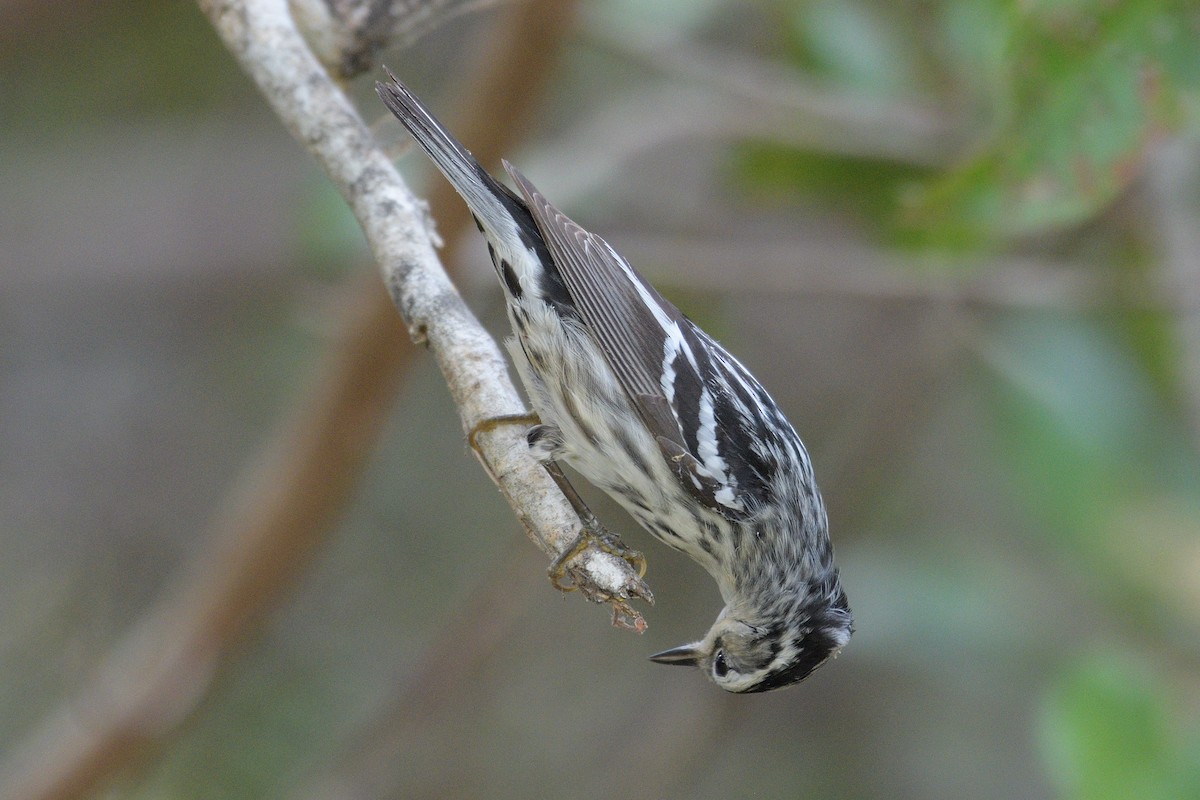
(479, 189)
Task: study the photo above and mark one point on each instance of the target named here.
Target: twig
(726, 96)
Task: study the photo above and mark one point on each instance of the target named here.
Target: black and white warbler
(648, 407)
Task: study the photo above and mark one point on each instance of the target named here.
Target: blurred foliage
(1073, 95)
(864, 46)
(1088, 87)
(864, 188)
(1110, 731)
(1093, 450)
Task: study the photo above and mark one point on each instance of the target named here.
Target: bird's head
(757, 655)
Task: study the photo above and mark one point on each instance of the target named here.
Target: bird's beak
(686, 655)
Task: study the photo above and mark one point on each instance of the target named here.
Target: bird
(649, 408)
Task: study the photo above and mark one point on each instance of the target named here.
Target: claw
(491, 423)
(594, 533)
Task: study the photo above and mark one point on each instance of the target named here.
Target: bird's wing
(665, 364)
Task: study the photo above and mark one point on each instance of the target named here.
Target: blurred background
(958, 241)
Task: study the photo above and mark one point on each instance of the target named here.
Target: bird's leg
(541, 438)
(592, 533)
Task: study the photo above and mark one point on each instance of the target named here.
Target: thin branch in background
(1173, 173)
(858, 271)
(725, 97)
(774, 101)
(729, 97)
(480, 625)
(287, 504)
(615, 131)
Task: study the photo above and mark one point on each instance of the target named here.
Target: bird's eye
(720, 668)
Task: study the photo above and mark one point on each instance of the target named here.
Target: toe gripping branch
(591, 535)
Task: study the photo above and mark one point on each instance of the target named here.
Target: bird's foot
(544, 442)
(491, 423)
(593, 533)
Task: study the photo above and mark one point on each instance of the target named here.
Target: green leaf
(1090, 86)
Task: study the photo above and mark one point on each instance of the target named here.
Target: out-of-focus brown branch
(289, 500)
(283, 507)
(479, 626)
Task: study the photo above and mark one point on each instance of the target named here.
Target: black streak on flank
(478, 224)
(633, 498)
(666, 532)
(572, 409)
(510, 279)
(631, 450)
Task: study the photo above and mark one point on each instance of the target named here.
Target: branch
(265, 41)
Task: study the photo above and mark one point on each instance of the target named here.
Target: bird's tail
(482, 193)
